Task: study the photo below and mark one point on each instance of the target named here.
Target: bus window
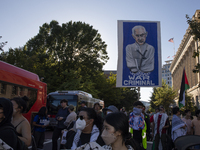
(53, 102)
(14, 90)
(21, 91)
(3, 88)
(32, 96)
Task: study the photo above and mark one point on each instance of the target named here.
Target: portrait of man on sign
(140, 55)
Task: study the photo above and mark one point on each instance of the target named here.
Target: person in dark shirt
(88, 129)
(60, 117)
(7, 131)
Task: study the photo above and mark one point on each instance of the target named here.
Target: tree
(70, 57)
(2, 44)
(120, 97)
(152, 105)
(194, 24)
(130, 96)
(164, 96)
(110, 94)
(58, 52)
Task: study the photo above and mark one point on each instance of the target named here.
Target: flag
(184, 87)
(168, 57)
(171, 40)
(173, 56)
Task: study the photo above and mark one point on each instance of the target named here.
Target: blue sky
(20, 21)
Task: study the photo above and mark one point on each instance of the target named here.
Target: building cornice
(185, 43)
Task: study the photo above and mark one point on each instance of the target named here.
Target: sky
(20, 21)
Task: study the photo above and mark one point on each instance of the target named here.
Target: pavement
(48, 145)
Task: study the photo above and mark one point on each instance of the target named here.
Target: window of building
(192, 99)
(197, 101)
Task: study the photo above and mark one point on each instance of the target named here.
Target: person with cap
(70, 118)
(83, 104)
(111, 109)
(60, 117)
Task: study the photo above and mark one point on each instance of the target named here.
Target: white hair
(137, 27)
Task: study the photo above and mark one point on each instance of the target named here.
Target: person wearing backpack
(7, 131)
(40, 122)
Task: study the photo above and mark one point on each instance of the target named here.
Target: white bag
(4, 146)
(63, 140)
(89, 146)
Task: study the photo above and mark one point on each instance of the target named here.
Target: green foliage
(163, 96)
(152, 105)
(2, 44)
(195, 31)
(130, 96)
(120, 97)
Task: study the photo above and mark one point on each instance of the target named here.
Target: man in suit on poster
(140, 55)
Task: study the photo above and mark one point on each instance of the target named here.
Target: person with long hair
(21, 124)
(88, 129)
(116, 133)
(40, 122)
(7, 131)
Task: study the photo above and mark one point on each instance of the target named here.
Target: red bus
(17, 82)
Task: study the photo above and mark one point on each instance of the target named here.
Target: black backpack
(20, 144)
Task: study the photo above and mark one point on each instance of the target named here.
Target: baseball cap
(112, 108)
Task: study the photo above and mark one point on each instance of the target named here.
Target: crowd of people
(166, 131)
(107, 129)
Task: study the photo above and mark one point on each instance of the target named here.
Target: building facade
(183, 59)
(166, 74)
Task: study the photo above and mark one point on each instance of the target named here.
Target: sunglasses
(81, 117)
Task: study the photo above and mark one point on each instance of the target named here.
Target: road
(48, 141)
